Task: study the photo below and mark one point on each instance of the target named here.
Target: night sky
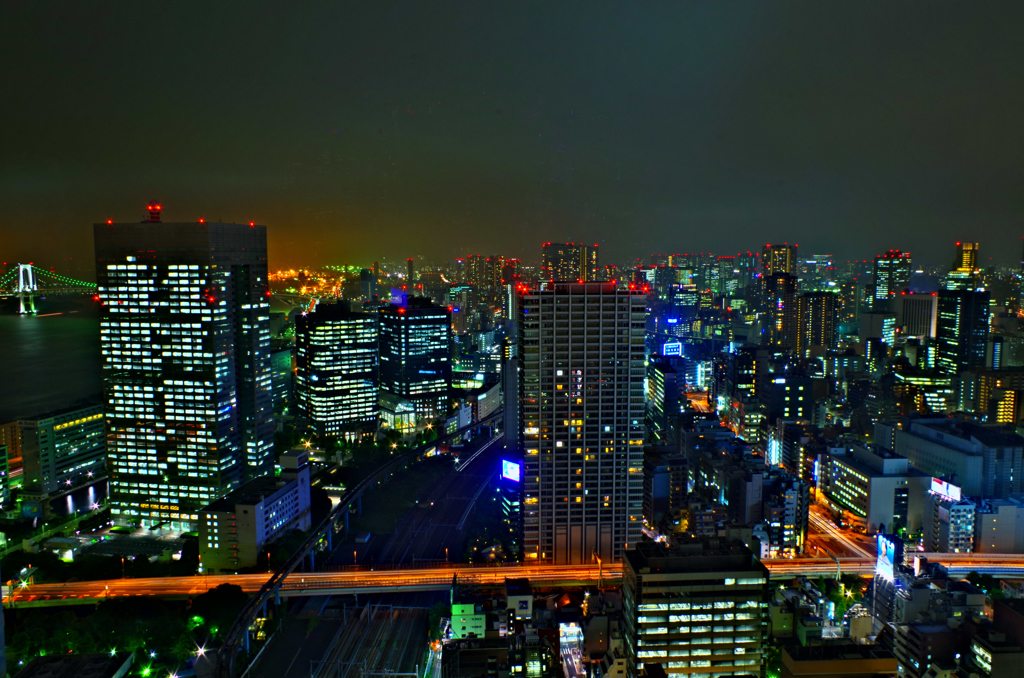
(364, 130)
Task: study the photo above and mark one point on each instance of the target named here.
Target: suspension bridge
(25, 281)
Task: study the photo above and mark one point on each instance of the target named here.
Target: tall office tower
(581, 362)
(410, 273)
(819, 321)
(415, 355)
(569, 262)
(783, 310)
(917, 314)
(492, 276)
(966, 256)
(747, 263)
(892, 272)
(961, 331)
(698, 609)
(185, 336)
(728, 275)
(963, 275)
(775, 259)
(510, 271)
(778, 259)
(368, 286)
(336, 378)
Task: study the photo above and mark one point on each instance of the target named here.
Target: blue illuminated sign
(672, 348)
(399, 297)
(510, 470)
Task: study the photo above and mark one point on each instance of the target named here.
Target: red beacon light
(110, 221)
(252, 223)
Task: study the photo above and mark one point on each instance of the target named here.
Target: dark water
(48, 362)
(81, 500)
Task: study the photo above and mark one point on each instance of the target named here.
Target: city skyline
(465, 340)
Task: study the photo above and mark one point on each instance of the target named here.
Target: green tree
(219, 607)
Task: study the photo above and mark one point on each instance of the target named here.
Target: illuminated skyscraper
(892, 272)
(185, 337)
(778, 259)
(819, 321)
(415, 355)
(336, 378)
(582, 411)
(569, 262)
(966, 256)
(961, 332)
(782, 310)
(964, 273)
(775, 260)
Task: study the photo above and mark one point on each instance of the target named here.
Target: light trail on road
(439, 578)
(826, 528)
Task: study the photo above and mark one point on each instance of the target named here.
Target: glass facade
(185, 339)
(415, 355)
(337, 369)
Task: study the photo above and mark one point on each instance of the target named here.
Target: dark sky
(362, 130)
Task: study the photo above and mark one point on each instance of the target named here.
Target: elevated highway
(360, 580)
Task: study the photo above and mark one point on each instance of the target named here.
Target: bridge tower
(27, 289)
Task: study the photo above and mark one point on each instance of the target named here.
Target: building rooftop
(518, 587)
(249, 494)
(845, 651)
(692, 555)
(967, 431)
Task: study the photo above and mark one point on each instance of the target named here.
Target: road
(439, 578)
(832, 540)
(699, 401)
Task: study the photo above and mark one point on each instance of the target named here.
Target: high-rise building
(415, 355)
(185, 337)
(336, 378)
(917, 314)
(778, 259)
(892, 272)
(569, 262)
(819, 321)
(581, 355)
(963, 275)
(966, 256)
(697, 609)
(783, 310)
(961, 330)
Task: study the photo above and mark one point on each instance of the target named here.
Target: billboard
(510, 470)
(941, 487)
(672, 348)
(399, 297)
(890, 552)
